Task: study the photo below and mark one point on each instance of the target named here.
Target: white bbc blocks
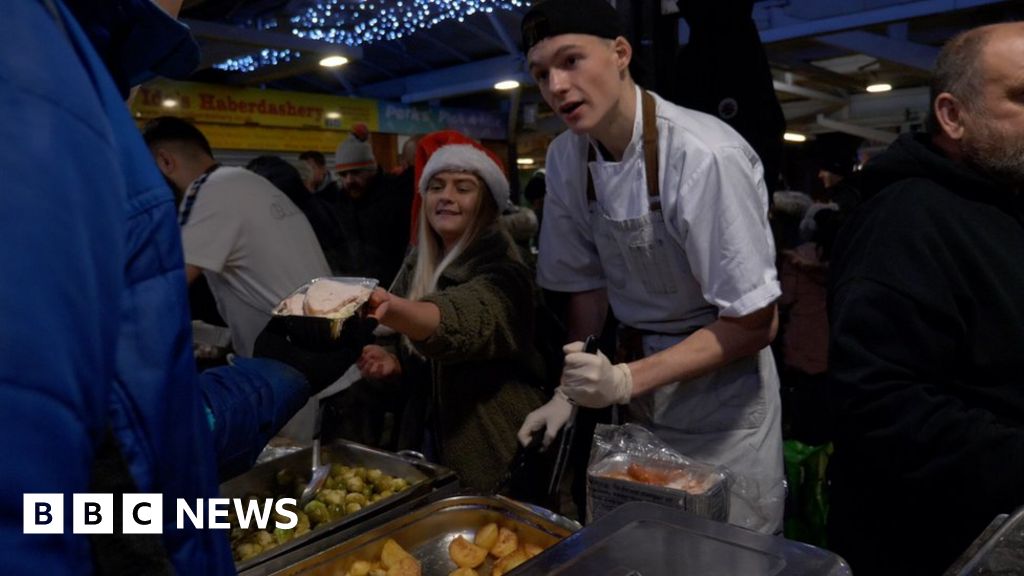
(43, 513)
(142, 514)
(92, 514)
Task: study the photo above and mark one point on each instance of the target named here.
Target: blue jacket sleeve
(247, 403)
(61, 253)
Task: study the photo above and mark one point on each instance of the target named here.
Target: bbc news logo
(144, 513)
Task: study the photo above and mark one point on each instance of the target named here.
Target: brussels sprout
(356, 497)
(354, 484)
(385, 493)
(282, 535)
(399, 484)
(317, 512)
(353, 507)
(303, 526)
(336, 511)
(330, 496)
(373, 475)
(247, 550)
(264, 538)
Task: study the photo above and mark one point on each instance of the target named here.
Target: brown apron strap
(650, 139)
(650, 123)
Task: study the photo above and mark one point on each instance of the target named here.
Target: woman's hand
(376, 363)
(378, 304)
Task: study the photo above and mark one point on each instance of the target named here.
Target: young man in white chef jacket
(673, 233)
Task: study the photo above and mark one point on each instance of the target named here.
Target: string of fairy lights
(359, 22)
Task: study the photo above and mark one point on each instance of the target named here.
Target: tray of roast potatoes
(464, 535)
(363, 483)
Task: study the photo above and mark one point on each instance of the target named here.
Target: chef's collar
(634, 141)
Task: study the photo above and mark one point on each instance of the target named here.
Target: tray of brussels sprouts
(364, 483)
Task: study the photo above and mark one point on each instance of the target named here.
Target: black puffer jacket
(926, 362)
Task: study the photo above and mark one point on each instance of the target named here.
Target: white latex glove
(551, 416)
(591, 380)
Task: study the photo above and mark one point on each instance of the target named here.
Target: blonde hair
(431, 261)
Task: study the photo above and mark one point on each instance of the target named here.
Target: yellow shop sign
(209, 103)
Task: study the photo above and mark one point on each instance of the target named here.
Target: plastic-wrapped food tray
(322, 332)
(702, 490)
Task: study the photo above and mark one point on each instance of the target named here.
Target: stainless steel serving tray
(425, 533)
(424, 479)
(652, 540)
(999, 549)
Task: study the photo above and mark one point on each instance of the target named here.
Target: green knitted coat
(486, 372)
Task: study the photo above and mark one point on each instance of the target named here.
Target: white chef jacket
(707, 253)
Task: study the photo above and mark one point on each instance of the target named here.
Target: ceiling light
(333, 61)
(333, 115)
(169, 103)
(794, 137)
(506, 85)
(524, 161)
(874, 88)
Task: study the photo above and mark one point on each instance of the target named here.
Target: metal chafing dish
(427, 482)
(998, 550)
(646, 539)
(425, 533)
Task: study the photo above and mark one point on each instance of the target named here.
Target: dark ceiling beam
(916, 56)
(340, 77)
(790, 87)
(429, 38)
(488, 38)
(401, 51)
(814, 73)
(375, 68)
(264, 39)
(449, 82)
(781, 26)
(271, 73)
(502, 33)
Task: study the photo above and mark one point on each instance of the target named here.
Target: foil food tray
(605, 493)
(425, 481)
(425, 533)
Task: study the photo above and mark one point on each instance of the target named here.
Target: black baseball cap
(555, 17)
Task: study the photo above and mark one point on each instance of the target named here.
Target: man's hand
(321, 369)
(551, 417)
(376, 363)
(591, 380)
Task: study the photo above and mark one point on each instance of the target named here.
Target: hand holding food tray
(317, 314)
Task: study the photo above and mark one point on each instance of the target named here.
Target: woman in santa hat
(463, 302)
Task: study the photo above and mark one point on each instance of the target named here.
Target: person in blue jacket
(98, 386)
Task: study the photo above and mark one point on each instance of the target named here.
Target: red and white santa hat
(451, 151)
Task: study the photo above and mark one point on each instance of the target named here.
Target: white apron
(731, 417)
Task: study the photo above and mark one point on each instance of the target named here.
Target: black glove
(321, 367)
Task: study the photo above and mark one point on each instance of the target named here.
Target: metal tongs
(589, 347)
(319, 472)
(534, 447)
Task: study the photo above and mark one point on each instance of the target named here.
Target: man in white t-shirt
(252, 243)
